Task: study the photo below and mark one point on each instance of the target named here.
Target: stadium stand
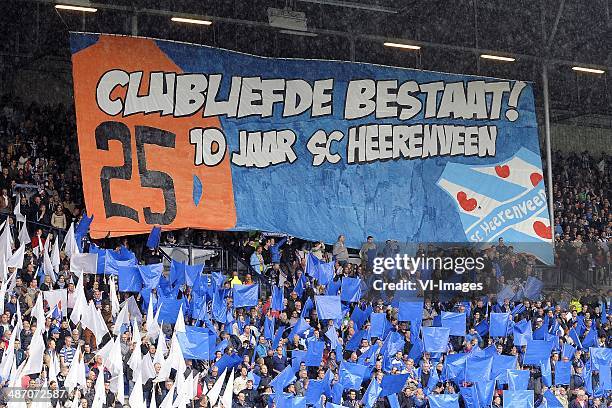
(281, 339)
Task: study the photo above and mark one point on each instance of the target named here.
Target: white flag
(76, 373)
(80, 263)
(179, 326)
(3, 269)
(135, 361)
(19, 217)
(36, 352)
(167, 402)
(114, 299)
(5, 242)
(70, 245)
(160, 350)
(24, 235)
(100, 393)
(39, 312)
(48, 266)
(55, 255)
(3, 290)
(120, 386)
(152, 325)
(136, 398)
(213, 393)
(226, 399)
(16, 260)
(122, 318)
(8, 359)
(92, 319)
(56, 297)
(54, 367)
(80, 303)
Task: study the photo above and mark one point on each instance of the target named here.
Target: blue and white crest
(507, 199)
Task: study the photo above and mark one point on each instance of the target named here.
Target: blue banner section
(396, 153)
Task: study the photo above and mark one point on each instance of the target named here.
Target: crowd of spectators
(40, 172)
(583, 218)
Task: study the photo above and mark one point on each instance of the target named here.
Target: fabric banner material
(180, 135)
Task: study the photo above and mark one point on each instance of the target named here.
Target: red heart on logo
(542, 229)
(465, 203)
(502, 171)
(535, 178)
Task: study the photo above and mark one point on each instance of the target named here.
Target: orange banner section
(139, 171)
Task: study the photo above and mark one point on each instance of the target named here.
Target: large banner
(181, 135)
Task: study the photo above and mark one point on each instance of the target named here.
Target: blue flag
(501, 364)
(600, 357)
(298, 357)
(371, 394)
(546, 370)
(355, 340)
(332, 335)
(486, 390)
(350, 291)
(518, 379)
(605, 380)
(328, 307)
(392, 384)
(245, 295)
(551, 400)
(299, 328)
(154, 236)
(499, 323)
(193, 274)
(435, 339)
(518, 399)
(129, 279)
(478, 368)
(393, 401)
(378, 324)
(359, 316)
(194, 343)
(470, 397)
(81, 230)
(505, 293)
(112, 264)
(537, 352)
(393, 343)
(308, 306)
(522, 333)
(283, 379)
(228, 362)
(574, 336)
(455, 322)
(417, 350)
(169, 309)
(568, 351)
(268, 328)
(443, 400)
(333, 288)
(351, 375)
(533, 288)
(411, 312)
(278, 336)
(151, 274)
(604, 312)
(315, 353)
(454, 367)
(314, 391)
(278, 297)
(590, 339)
(482, 328)
(563, 372)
